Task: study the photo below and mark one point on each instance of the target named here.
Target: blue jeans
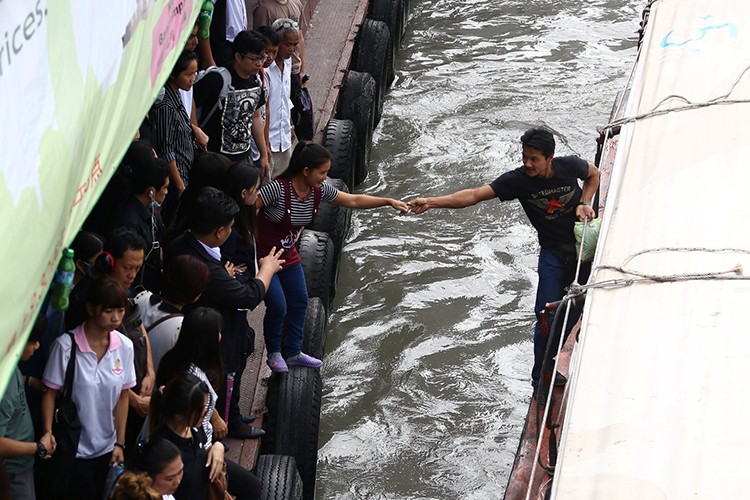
(554, 276)
(286, 298)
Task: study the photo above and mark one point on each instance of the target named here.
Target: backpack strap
(162, 320)
(225, 88)
(70, 370)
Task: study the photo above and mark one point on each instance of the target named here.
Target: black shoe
(560, 379)
(244, 431)
(247, 419)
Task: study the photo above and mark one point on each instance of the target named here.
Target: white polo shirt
(96, 386)
(279, 106)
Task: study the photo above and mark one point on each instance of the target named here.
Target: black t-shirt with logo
(550, 204)
(229, 128)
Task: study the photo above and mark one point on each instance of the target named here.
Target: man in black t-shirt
(548, 190)
(234, 121)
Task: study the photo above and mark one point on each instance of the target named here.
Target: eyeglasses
(287, 24)
(255, 59)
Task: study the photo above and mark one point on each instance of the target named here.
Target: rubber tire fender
(316, 251)
(357, 104)
(373, 54)
(279, 478)
(316, 321)
(394, 14)
(341, 141)
(294, 411)
(334, 220)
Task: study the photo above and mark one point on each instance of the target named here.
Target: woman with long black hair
(286, 205)
(198, 353)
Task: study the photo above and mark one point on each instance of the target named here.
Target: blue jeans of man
(286, 298)
(555, 274)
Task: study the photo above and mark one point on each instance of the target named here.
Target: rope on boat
(574, 291)
(689, 105)
(734, 273)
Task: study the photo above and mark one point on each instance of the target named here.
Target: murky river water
(429, 351)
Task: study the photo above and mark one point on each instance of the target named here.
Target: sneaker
(303, 359)
(277, 365)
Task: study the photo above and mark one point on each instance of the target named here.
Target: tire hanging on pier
(293, 403)
(393, 13)
(357, 104)
(373, 54)
(316, 321)
(333, 220)
(341, 141)
(316, 251)
(279, 478)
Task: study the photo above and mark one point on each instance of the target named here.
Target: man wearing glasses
(228, 103)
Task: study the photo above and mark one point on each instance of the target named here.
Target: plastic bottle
(66, 269)
(204, 20)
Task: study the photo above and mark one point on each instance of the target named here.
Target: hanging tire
(373, 54)
(357, 103)
(316, 321)
(393, 13)
(334, 221)
(293, 403)
(279, 478)
(341, 141)
(316, 252)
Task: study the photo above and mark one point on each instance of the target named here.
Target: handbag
(66, 427)
(217, 490)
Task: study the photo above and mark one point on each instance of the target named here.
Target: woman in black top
(176, 413)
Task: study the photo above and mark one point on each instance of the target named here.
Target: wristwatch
(41, 450)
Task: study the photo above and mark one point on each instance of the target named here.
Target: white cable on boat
(573, 291)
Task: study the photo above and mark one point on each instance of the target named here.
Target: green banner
(76, 79)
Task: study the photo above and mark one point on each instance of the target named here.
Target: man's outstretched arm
(459, 199)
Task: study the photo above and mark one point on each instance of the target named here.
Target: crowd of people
(197, 227)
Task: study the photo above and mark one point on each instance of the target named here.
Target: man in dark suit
(210, 224)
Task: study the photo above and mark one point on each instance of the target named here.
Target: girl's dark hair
(198, 344)
(107, 293)
(184, 396)
(156, 455)
(85, 245)
(243, 176)
(183, 61)
(306, 154)
(184, 279)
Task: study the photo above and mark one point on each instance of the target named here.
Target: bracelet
(121, 446)
(585, 203)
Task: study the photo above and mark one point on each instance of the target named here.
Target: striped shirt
(274, 201)
(173, 135)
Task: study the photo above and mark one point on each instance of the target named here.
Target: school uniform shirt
(279, 106)
(96, 386)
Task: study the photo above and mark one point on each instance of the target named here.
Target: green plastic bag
(586, 249)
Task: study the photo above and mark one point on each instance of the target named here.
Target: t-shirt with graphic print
(550, 204)
(229, 129)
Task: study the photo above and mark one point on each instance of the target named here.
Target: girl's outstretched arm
(367, 201)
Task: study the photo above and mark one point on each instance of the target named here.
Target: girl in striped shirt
(286, 205)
